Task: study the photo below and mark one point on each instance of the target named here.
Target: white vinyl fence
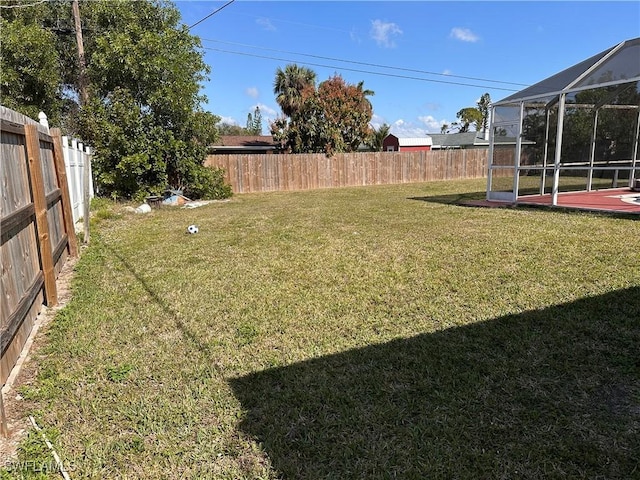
(77, 157)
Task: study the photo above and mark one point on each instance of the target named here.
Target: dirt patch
(26, 369)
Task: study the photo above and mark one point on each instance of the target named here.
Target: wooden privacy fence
(273, 172)
(36, 228)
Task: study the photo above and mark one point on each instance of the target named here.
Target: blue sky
(424, 60)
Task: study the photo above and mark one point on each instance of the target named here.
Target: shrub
(207, 183)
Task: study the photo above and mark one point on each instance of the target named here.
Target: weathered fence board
(36, 177)
(36, 228)
(265, 173)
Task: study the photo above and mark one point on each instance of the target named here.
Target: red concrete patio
(615, 200)
(611, 200)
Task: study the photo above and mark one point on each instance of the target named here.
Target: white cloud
(428, 124)
(464, 35)
(252, 92)
(446, 71)
(265, 110)
(228, 120)
(409, 132)
(400, 128)
(377, 121)
(382, 33)
(266, 24)
(433, 125)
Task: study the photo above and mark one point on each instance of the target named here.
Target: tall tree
(29, 62)
(291, 86)
(468, 116)
(143, 116)
(347, 113)
(145, 59)
(484, 104)
(333, 119)
(254, 122)
(476, 117)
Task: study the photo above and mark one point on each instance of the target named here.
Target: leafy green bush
(207, 183)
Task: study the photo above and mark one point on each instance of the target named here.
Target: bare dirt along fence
(274, 172)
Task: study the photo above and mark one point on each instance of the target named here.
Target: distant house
(445, 141)
(391, 143)
(244, 144)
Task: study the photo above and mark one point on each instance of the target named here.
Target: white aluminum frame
(561, 96)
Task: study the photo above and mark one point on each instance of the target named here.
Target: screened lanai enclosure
(575, 131)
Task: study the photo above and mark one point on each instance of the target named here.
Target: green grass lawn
(361, 333)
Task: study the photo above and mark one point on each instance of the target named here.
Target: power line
(212, 13)
(361, 71)
(355, 62)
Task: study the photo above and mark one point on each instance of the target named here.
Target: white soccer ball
(192, 229)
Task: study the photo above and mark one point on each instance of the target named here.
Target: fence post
(43, 120)
(67, 213)
(40, 205)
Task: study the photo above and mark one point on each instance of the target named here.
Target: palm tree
(377, 137)
(291, 85)
(365, 93)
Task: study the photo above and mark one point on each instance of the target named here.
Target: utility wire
(354, 62)
(212, 13)
(361, 71)
(365, 63)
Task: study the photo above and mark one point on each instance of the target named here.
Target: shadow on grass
(454, 198)
(552, 393)
(186, 332)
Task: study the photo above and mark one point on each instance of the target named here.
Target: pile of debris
(170, 197)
